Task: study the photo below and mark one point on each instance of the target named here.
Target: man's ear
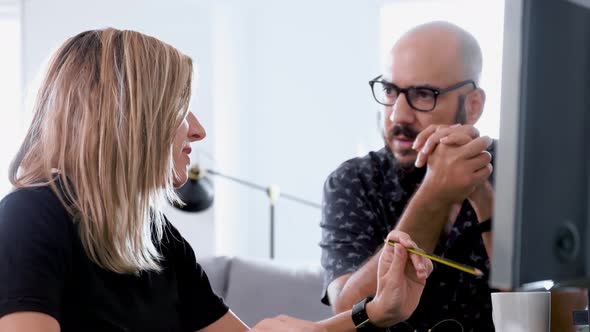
(474, 105)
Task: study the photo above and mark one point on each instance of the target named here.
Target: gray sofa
(258, 289)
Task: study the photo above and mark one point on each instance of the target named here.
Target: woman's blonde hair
(104, 124)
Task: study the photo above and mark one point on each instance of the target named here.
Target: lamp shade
(197, 192)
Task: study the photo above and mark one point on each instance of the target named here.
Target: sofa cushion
(217, 270)
(260, 289)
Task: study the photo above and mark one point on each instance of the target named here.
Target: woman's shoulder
(171, 237)
(40, 197)
(33, 209)
(33, 192)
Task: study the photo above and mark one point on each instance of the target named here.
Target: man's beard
(407, 172)
(461, 115)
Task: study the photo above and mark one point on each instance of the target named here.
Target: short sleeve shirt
(44, 268)
(363, 201)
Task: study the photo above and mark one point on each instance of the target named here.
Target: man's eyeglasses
(420, 98)
(447, 325)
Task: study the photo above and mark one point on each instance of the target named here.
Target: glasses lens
(385, 93)
(422, 99)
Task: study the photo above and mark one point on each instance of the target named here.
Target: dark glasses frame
(412, 90)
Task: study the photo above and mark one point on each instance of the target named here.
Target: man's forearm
(482, 201)
(424, 219)
(359, 285)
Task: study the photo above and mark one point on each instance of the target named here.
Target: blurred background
(281, 88)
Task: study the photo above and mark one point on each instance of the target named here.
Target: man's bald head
(435, 56)
(448, 45)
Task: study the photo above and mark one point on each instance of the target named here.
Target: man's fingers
(419, 263)
(422, 138)
(475, 147)
(480, 161)
(429, 266)
(469, 130)
(429, 138)
(442, 134)
(434, 139)
(483, 174)
(420, 160)
(456, 139)
(400, 258)
(424, 134)
(401, 237)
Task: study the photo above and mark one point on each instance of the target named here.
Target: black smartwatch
(484, 226)
(360, 317)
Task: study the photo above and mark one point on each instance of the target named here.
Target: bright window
(10, 90)
(483, 18)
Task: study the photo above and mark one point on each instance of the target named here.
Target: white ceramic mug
(521, 311)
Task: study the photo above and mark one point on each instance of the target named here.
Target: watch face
(359, 314)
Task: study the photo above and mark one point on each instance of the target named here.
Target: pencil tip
(478, 273)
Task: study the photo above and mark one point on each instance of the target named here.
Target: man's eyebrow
(424, 85)
(430, 86)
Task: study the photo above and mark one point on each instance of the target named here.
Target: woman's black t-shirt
(44, 268)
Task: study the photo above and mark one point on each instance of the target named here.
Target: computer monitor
(542, 217)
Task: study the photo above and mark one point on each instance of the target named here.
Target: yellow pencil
(448, 262)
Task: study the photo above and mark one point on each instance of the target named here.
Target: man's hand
(426, 142)
(284, 323)
(401, 277)
(454, 170)
(482, 197)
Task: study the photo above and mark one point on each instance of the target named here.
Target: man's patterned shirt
(363, 200)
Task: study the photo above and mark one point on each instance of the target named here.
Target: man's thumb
(400, 259)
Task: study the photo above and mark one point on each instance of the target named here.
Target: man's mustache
(406, 131)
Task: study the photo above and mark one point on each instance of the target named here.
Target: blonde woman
(84, 245)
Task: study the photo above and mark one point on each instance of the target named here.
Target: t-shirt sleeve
(349, 231)
(34, 253)
(199, 305)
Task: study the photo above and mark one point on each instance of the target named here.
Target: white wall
(483, 18)
(301, 105)
(282, 91)
(10, 116)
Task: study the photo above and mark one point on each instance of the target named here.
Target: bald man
(438, 192)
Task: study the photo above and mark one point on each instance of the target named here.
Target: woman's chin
(180, 174)
(179, 182)
(180, 179)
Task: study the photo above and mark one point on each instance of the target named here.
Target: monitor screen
(542, 221)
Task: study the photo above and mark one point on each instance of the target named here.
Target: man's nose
(402, 111)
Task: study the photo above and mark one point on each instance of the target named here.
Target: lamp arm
(301, 201)
(263, 188)
(234, 179)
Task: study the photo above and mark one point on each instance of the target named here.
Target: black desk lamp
(198, 195)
